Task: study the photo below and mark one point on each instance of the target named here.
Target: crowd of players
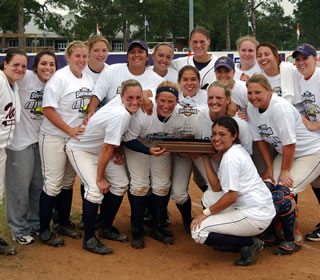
(103, 123)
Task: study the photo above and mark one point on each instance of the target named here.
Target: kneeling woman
(239, 206)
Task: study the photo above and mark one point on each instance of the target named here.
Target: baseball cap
(141, 43)
(225, 62)
(305, 50)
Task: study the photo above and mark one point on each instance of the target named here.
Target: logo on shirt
(278, 91)
(11, 111)
(35, 104)
(309, 105)
(188, 105)
(83, 96)
(267, 134)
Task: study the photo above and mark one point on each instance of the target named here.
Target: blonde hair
(247, 38)
(129, 83)
(73, 45)
(169, 84)
(261, 80)
(220, 84)
(163, 44)
(96, 39)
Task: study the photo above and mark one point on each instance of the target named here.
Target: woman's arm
(94, 101)
(224, 202)
(105, 156)
(265, 153)
(52, 115)
(211, 174)
(285, 177)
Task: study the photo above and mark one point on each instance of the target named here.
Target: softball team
(74, 138)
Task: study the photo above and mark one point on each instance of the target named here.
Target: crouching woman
(239, 206)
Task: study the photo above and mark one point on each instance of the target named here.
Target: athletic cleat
(23, 240)
(69, 230)
(94, 245)
(48, 238)
(137, 241)
(315, 235)
(113, 233)
(157, 234)
(248, 254)
(287, 248)
(6, 249)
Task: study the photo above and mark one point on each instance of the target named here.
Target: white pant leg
(160, 174)
(304, 171)
(231, 222)
(117, 177)
(139, 170)
(181, 171)
(3, 158)
(56, 169)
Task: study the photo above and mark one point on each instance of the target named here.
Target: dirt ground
(183, 260)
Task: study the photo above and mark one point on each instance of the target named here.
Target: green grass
(5, 232)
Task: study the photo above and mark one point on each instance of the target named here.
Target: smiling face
(189, 83)
(259, 96)
(78, 60)
(247, 53)
(98, 54)
(46, 67)
(222, 139)
(137, 58)
(16, 68)
(217, 101)
(306, 65)
(268, 62)
(166, 102)
(199, 44)
(162, 58)
(132, 98)
(225, 75)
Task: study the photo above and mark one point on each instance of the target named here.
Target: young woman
(66, 97)
(239, 205)
(204, 62)
(92, 158)
(13, 69)
(149, 166)
(162, 56)
(247, 47)
(282, 76)
(24, 179)
(306, 62)
(224, 71)
(274, 121)
(219, 97)
(98, 53)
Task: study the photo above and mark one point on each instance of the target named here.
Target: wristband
(207, 212)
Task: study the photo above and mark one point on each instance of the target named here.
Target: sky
(287, 6)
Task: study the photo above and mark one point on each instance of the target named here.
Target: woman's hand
(311, 125)
(76, 131)
(197, 221)
(268, 174)
(103, 185)
(242, 115)
(232, 109)
(157, 151)
(244, 77)
(285, 179)
(147, 104)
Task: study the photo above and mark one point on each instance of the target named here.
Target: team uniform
(69, 96)
(9, 115)
(310, 90)
(254, 70)
(207, 75)
(24, 179)
(280, 125)
(109, 82)
(239, 95)
(253, 210)
(171, 76)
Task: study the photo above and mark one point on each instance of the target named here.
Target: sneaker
(6, 249)
(113, 233)
(69, 230)
(287, 248)
(315, 235)
(35, 232)
(248, 254)
(48, 238)
(94, 245)
(23, 240)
